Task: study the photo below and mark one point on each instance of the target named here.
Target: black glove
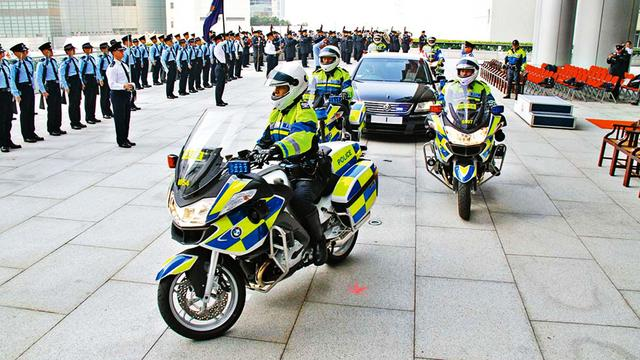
(345, 96)
(275, 153)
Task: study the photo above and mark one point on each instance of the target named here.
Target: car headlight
(192, 215)
(424, 106)
(458, 138)
(238, 199)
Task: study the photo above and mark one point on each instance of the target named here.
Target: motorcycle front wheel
(187, 315)
(464, 200)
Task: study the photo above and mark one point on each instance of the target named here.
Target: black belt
(5, 90)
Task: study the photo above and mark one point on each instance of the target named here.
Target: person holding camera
(618, 64)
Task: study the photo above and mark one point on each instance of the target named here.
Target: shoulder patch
(112, 64)
(305, 105)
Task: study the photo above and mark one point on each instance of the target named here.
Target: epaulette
(43, 59)
(112, 64)
(305, 105)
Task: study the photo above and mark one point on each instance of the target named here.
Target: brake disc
(185, 294)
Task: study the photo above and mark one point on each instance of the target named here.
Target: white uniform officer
(121, 85)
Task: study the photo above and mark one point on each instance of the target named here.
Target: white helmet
(377, 38)
(467, 63)
(288, 74)
(333, 52)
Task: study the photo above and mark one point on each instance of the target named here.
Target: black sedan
(397, 89)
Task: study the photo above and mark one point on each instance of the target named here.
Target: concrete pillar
(600, 25)
(553, 31)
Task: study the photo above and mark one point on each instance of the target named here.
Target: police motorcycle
(233, 213)
(339, 119)
(462, 153)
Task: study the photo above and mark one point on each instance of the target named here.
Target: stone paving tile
(137, 176)
(112, 161)
(325, 331)
(144, 267)
(27, 243)
(20, 158)
(7, 273)
(10, 186)
(67, 277)
(633, 299)
(396, 166)
(92, 204)
(383, 270)
(463, 319)
(62, 185)
(155, 196)
(441, 210)
(129, 228)
(550, 166)
(385, 148)
(568, 290)
(119, 321)
(530, 148)
(21, 209)
(283, 304)
(460, 253)
(601, 178)
(172, 346)
(396, 191)
(38, 170)
(572, 189)
(518, 199)
(620, 260)
(397, 227)
(538, 235)
(21, 328)
(427, 183)
(628, 201)
(83, 151)
(514, 174)
(587, 219)
(586, 342)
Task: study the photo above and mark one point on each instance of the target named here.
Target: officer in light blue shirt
(168, 61)
(104, 60)
(144, 57)
(91, 78)
(6, 105)
(48, 84)
(22, 87)
(71, 81)
(136, 71)
(155, 52)
(184, 68)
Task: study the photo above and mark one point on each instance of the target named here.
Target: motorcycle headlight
(458, 138)
(424, 106)
(238, 199)
(191, 215)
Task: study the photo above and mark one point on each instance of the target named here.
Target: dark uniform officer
(618, 65)
(422, 40)
(358, 45)
(119, 76)
(290, 47)
(394, 45)
(22, 86)
(346, 47)
(72, 84)
(406, 42)
(333, 39)
(305, 48)
(245, 49)
(168, 61)
(184, 68)
(48, 81)
(144, 58)
(104, 60)
(6, 105)
(91, 78)
(256, 42)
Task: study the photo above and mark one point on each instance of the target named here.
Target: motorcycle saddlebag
(356, 191)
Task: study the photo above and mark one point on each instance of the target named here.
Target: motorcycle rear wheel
(340, 253)
(177, 304)
(464, 200)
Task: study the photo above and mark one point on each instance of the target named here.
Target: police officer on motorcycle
(291, 135)
(467, 70)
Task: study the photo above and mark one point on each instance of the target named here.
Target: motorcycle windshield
(200, 160)
(465, 111)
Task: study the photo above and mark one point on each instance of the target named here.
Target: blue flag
(212, 18)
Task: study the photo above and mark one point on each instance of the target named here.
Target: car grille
(389, 108)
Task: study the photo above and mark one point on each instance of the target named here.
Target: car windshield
(393, 70)
(200, 160)
(465, 110)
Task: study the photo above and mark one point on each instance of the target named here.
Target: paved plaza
(547, 268)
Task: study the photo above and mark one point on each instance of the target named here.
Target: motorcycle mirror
(172, 161)
(228, 157)
(497, 110)
(436, 109)
(243, 154)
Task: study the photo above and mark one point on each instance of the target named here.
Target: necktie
(126, 72)
(6, 77)
(26, 69)
(55, 68)
(93, 64)
(75, 66)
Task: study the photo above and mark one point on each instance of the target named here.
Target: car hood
(382, 91)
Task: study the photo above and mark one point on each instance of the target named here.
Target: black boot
(318, 241)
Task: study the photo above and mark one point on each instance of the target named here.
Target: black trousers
(105, 101)
(135, 74)
(238, 69)
(144, 72)
(357, 54)
(513, 79)
(257, 59)
(184, 77)
(304, 57)
(75, 97)
(155, 71)
(272, 62)
(347, 57)
(206, 72)
(121, 101)
(6, 113)
(171, 78)
(90, 96)
(213, 73)
(197, 73)
(54, 106)
(27, 111)
(245, 57)
(193, 72)
(221, 73)
(231, 68)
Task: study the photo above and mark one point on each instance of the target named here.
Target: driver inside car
(291, 136)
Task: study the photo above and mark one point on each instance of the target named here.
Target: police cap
(112, 41)
(87, 46)
(135, 40)
(161, 37)
(183, 41)
(104, 45)
(1, 49)
(154, 37)
(142, 38)
(193, 35)
(186, 34)
(469, 45)
(116, 46)
(126, 38)
(168, 38)
(192, 40)
(45, 46)
(19, 47)
(69, 47)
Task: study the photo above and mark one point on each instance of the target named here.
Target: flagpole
(224, 27)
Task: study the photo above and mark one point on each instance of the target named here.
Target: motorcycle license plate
(391, 120)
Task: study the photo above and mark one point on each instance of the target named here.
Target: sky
(445, 19)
